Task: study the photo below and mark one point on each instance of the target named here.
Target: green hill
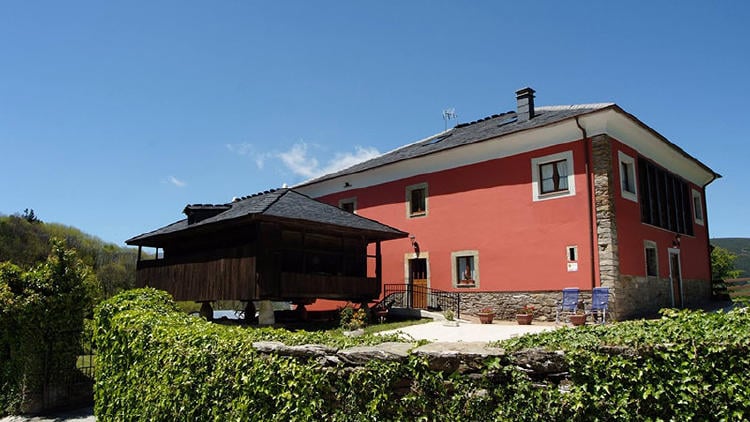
(739, 246)
(24, 241)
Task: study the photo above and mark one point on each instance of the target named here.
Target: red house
(512, 208)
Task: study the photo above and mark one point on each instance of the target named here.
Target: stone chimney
(525, 101)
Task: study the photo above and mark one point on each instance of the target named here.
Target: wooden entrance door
(676, 276)
(418, 283)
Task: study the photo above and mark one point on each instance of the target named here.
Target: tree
(28, 215)
(722, 264)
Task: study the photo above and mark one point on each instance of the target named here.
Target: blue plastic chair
(568, 303)
(600, 303)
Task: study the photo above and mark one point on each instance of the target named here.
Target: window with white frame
(628, 185)
(348, 205)
(652, 258)
(571, 253)
(552, 176)
(416, 200)
(465, 268)
(698, 207)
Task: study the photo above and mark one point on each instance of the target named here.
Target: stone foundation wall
(507, 304)
(696, 292)
(639, 297)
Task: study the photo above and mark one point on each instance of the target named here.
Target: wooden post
(140, 248)
(378, 264)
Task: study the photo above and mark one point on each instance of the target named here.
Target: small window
(552, 176)
(628, 184)
(652, 259)
(698, 207)
(465, 267)
(572, 253)
(348, 205)
(416, 200)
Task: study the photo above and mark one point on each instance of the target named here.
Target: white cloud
(300, 162)
(300, 159)
(248, 149)
(177, 182)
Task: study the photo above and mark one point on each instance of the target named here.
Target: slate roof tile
(279, 203)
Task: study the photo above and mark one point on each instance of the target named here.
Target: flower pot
(578, 319)
(524, 319)
(381, 314)
(486, 317)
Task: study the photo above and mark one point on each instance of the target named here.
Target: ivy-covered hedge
(688, 365)
(42, 313)
(156, 363)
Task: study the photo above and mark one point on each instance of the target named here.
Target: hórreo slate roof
(278, 204)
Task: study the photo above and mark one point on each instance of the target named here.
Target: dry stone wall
(507, 304)
(463, 358)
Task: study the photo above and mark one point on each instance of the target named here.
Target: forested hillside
(24, 241)
(739, 246)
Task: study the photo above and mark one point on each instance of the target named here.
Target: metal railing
(421, 297)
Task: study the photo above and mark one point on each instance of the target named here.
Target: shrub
(41, 316)
(158, 364)
(352, 319)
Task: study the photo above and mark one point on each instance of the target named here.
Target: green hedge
(156, 363)
(688, 365)
(42, 312)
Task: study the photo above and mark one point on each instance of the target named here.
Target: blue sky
(113, 117)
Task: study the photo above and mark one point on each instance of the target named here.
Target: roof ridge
(254, 195)
(278, 197)
(562, 107)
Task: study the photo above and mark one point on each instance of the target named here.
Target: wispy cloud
(248, 149)
(299, 160)
(177, 182)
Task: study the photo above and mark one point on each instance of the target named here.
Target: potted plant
(353, 321)
(579, 318)
(450, 319)
(525, 315)
(381, 312)
(486, 315)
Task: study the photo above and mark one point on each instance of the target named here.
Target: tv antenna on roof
(449, 114)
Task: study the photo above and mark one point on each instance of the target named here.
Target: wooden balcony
(217, 279)
(235, 279)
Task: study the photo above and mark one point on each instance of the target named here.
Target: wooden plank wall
(294, 285)
(218, 279)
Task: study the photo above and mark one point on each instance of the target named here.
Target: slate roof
(284, 204)
(468, 133)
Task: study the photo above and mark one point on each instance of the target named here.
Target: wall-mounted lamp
(347, 185)
(414, 244)
(676, 241)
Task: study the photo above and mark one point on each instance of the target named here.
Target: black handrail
(420, 297)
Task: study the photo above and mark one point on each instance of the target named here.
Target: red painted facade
(483, 207)
(487, 207)
(632, 233)
(521, 243)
